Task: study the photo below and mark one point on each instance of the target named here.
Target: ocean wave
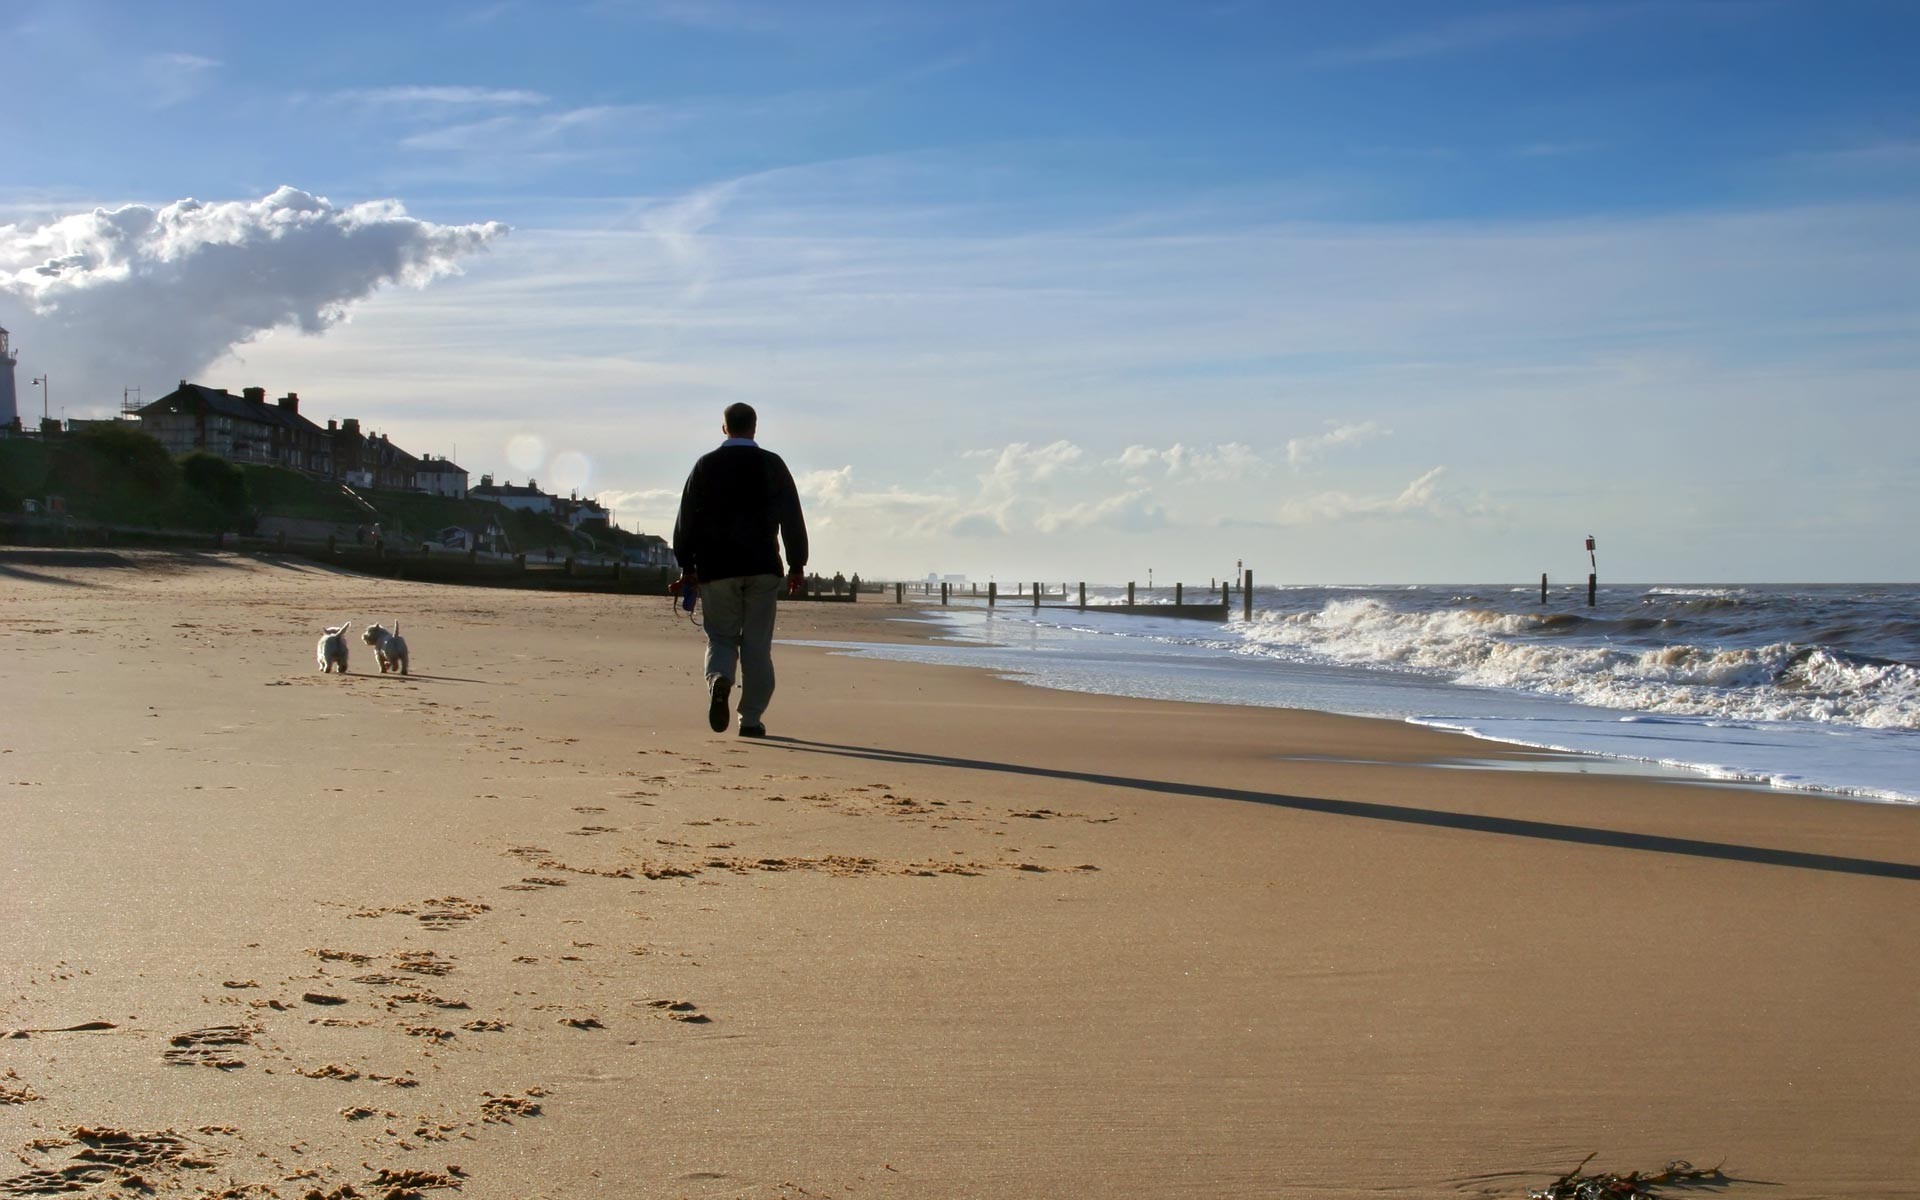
(1778, 681)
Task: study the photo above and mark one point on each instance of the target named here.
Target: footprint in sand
(680, 1010)
(209, 1047)
(534, 883)
(132, 1160)
(503, 1108)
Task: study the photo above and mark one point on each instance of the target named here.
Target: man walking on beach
(738, 505)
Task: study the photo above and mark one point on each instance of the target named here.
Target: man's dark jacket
(737, 501)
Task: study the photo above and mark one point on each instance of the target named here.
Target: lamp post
(45, 412)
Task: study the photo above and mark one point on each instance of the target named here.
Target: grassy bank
(124, 479)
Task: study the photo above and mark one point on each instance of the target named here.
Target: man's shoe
(753, 731)
(717, 708)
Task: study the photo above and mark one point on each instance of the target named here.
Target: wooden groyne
(1038, 595)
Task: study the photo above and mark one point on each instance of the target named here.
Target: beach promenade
(519, 925)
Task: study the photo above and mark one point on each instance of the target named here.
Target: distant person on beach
(739, 505)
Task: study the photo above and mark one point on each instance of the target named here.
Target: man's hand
(689, 579)
(796, 580)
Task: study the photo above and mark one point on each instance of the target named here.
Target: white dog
(332, 650)
(389, 648)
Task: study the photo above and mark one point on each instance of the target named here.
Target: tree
(219, 481)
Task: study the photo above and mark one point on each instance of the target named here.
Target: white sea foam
(1775, 682)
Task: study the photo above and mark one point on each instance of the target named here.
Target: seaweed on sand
(1608, 1185)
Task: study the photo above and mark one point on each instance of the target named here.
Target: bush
(219, 481)
(117, 463)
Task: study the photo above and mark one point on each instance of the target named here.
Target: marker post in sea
(1593, 576)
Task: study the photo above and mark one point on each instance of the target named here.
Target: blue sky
(1388, 291)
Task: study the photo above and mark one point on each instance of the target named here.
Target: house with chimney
(370, 460)
(526, 499)
(577, 512)
(441, 477)
(243, 428)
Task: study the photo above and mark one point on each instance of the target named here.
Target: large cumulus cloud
(142, 293)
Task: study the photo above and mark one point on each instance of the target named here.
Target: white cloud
(173, 289)
(650, 510)
(1418, 496)
(1225, 463)
(510, 134)
(1303, 450)
(173, 78)
(1130, 512)
(1020, 463)
(439, 98)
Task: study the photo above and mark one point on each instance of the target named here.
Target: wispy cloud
(485, 14)
(1303, 450)
(434, 99)
(174, 78)
(1483, 31)
(1134, 511)
(770, 18)
(1418, 497)
(723, 16)
(511, 134)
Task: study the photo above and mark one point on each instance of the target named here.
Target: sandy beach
(519, 925)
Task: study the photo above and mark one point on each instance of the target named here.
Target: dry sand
(518, 924)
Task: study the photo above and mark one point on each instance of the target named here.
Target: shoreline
(941, 934)
(1788, 756)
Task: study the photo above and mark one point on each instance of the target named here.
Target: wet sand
(519, 925)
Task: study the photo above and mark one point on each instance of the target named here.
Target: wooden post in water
(1224, 588)
(1129, 595)
(1083, 595)
(899, 593)
(946, 594)
(1246, 595)
(993, 592)
(1543, 587)
(1177, 588)
(1036, 596)
(1593, 577)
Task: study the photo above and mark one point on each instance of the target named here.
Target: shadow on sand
(1399, 814)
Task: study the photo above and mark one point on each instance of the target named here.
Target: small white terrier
(332, 650)
(389, 648)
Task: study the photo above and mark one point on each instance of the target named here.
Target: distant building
(650, 550)
(243, 428)
(370, 460)
(440, 477)
(526, 499)
(577, 512)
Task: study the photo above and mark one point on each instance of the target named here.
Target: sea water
(1807, 687)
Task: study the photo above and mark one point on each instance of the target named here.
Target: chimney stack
(256, 394)
(291, 402)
